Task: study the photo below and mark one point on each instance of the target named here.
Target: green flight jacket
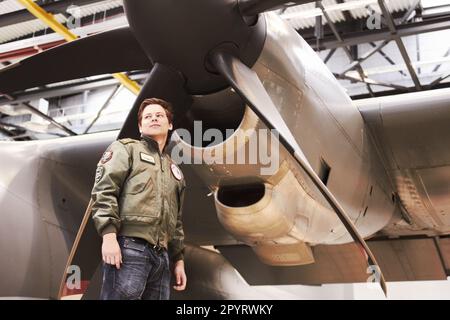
(139, 192)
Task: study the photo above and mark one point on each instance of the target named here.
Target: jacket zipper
(162, 193)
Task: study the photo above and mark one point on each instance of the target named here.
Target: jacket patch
(176, 172)
(99, 173)
(106, 157)
(147, 158)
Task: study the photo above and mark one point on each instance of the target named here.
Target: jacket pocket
(138, 183)
(140, 195)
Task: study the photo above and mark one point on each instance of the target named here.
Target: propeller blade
(254, 7)
(164, 83)
(108, 52)
(248, 85)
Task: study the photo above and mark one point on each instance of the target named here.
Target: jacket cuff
(109, 229)
(178, 256)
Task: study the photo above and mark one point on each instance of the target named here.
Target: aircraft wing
(400, 260)
(411, 259)
(412, 137)
(403, 259)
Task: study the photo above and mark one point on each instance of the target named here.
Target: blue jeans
(144, 273)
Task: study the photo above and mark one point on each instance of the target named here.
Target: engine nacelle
(272, 205)
(264, 220)
(273, 211)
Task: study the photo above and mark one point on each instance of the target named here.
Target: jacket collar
(152, 144)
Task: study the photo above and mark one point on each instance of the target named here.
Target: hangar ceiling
(374, 47)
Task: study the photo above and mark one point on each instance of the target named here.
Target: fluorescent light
(434, 3)
(399, 67)
(311, 13)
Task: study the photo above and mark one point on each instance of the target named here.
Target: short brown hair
(166, 106)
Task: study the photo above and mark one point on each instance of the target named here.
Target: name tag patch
(147, 158)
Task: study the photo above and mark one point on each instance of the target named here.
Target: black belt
(155, 247)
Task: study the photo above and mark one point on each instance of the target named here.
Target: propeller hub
(181, 34)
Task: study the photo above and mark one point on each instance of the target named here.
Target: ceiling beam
(439, 65)
(54, 8)
(68, 89)
(440, 85)
(355, 38)
(387, 58)
(104, 106)
(17, 127)
(400, 44)
(378, 48)
(346, 49)
(48, 118)
(372, 82)
(438, 80)
(6, 132)
(329, 55)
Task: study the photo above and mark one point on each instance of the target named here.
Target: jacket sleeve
(176, 244)
(112, 171)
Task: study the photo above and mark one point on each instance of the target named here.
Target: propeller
(165, 83)
(254, 7)
(97, 54)
(248, 85)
